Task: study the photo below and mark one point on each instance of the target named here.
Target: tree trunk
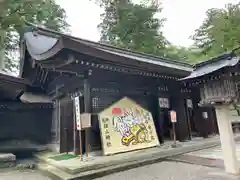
(2, 55)
(2, 49)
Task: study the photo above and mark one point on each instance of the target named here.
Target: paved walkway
(171, 171)
(214, 153)
(211, 157)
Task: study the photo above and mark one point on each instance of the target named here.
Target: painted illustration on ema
(133, 125)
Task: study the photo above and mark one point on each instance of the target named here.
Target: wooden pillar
(55, 131)
(197, 114)
(87, 108)
(178, 104)
(203, 121)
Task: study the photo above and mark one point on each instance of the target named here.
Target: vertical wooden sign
(78, 122)
(77, 112)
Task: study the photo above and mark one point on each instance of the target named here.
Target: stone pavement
(99, 165)
(8, 174)
(171, 171)
(207, 157)
(215, 152)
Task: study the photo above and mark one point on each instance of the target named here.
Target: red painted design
(116, 111)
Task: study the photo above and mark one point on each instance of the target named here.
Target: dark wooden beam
(66, 85)
(60, 61)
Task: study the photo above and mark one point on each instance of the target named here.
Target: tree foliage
(220, 30)
(132, 26)
(136, 27)
(14, 13)
(191, 55)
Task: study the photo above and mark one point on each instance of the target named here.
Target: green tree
(132, 26)
(14, 14)
(220, 31)
(191, 55)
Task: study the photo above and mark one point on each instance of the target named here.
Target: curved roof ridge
(107, 46)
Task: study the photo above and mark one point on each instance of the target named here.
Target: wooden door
(66, 123)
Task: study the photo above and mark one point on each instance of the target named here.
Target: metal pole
(86, 142)
(174, 135)
(80, 144)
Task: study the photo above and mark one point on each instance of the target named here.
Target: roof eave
(61, 44)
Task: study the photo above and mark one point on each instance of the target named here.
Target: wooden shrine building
(65, 67)
(11, 88)
(218, 81)
(20, 119)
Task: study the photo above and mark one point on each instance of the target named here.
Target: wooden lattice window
(95, 102)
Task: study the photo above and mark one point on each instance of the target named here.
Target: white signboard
(163, 102)
(173, 116)
(77, 113)
(205, 115)
(189, 103)
(86, 120)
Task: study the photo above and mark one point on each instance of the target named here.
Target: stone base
(7, 160)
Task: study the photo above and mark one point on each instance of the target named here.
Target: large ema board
(126, 126)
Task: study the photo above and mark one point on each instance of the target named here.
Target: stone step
(7, 160)
(145, 158)
(53, 172)
(13, 146)
(56, 173)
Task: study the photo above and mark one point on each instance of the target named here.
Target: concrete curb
(140, 159)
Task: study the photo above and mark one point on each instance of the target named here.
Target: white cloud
(183, 17)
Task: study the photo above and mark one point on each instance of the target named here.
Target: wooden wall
(108, 87)
(25, 122)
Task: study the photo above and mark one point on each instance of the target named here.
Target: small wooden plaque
(86, 120)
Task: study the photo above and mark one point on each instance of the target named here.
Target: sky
(183, 17)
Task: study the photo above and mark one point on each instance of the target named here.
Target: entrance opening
(167, 125)
(193, 131)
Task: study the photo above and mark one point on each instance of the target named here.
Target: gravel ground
(22, 175)
(171, 171)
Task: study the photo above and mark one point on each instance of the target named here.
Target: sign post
(173, 120)
(78, 122)
(85, 124)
